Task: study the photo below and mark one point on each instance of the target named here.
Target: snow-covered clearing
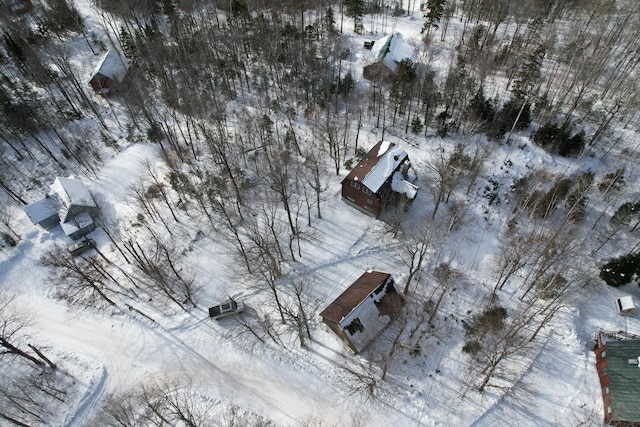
(114, 351)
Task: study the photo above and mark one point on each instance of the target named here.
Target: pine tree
(434, 14)
(355, 10)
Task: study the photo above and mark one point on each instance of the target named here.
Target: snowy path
(133, 351)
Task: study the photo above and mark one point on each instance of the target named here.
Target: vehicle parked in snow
(81, 247)
(226, 308)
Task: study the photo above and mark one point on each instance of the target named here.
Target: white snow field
(116, 350)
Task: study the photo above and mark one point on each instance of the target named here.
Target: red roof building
(364, 309)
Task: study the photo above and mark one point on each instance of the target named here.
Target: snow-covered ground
(302, 385)
(115, 351)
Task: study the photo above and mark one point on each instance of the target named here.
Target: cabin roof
(72, 192)
(354, 295)
(112, 66)
(42, 209)
(378, 165)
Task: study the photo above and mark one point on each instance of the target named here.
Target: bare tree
(163, 404)
(13, 326)
(315, 177)
(300, 306)
(80, 281)
(446, 277)
(415, 246)
(160, 263)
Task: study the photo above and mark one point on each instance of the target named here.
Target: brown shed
(364, 309)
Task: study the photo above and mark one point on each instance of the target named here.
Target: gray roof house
(69, 204)
(44, 212)
(74, 198)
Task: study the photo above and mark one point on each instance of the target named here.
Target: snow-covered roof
(392, 49)
(401, 185)
(112, 66)
(380, 47)
(80, 221)
(390, 156)
(371, 319)
(42, 209)
(72, 192)
(399, 49)
(361, 311)
(378, 165)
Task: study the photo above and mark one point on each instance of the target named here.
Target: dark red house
(379, 180)
(111, 69)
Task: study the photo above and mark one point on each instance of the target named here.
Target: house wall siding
(100, 82)
(360, 199)
(601, 366)
(337, 329)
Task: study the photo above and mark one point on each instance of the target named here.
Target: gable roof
(381, 47)
(112, 66)
(354, 295)
(399, 49)
(624, 379)
(72, 192)
(42, 209)
(378, 165)
(392, 49)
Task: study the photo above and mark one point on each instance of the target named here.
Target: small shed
(626, 306)
(44, 212)
(364, 310)
(111, 69)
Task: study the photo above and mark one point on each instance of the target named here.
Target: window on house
(605, 371)
(355, 185)
(606, 390)
(603, 354)
(366, 191)
(609, 410)
(354, 326)
(370, 201)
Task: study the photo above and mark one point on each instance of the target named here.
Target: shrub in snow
(416, 125)
(492, 319)
(8, 239)
(625, 213)
(620, 271)
(558, 139)
(514, 111)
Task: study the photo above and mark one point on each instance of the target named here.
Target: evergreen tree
(434, 14)
(355, 10)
